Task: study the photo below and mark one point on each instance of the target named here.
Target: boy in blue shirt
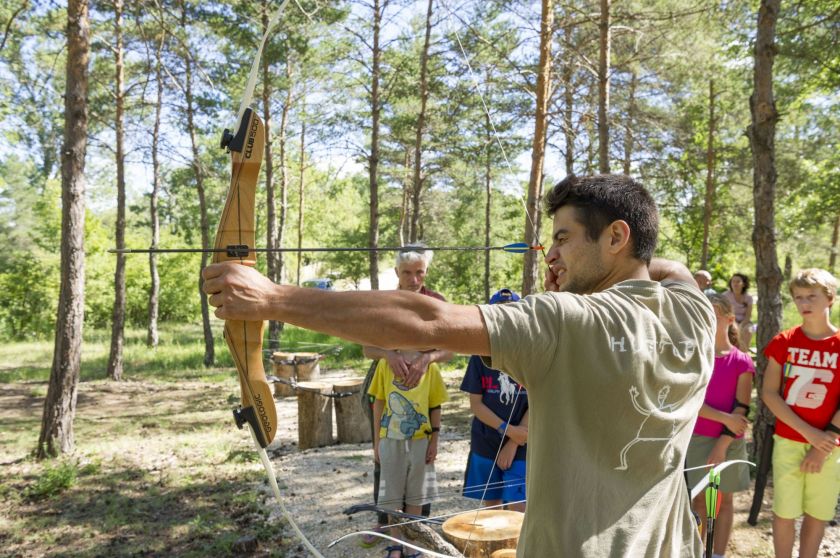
(496, 464)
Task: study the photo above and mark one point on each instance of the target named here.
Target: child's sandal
(395, 548)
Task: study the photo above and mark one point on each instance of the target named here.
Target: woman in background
(742, 304)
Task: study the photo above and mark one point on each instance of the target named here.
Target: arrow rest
(246, 415)
(236, 142)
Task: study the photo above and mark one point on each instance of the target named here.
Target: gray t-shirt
(615, 381)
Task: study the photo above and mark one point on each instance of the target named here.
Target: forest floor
(160, 470)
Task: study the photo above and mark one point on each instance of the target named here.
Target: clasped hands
(408, 371)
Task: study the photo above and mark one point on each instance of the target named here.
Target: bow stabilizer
(237, 228)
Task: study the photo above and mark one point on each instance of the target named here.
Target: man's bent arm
(385, 319)
(668, 270)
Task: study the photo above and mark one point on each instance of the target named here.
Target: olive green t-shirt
(615, 381)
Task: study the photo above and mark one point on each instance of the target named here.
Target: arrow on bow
(241, 251)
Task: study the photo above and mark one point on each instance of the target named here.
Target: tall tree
(418, 177)
(115, 359)
(302, 181)
(273, 259)
(709, 199)
(186, 54)
(762, 136)
(605, 46)
(535, 181)
(60, 404)
(373, 157)
(152, 334)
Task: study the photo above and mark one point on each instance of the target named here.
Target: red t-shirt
(811, 379)
(429, 292)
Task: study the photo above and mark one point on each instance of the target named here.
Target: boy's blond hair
(815, 277)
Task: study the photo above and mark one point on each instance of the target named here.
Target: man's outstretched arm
(386, 319)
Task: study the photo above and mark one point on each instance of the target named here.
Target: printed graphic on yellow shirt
(404, 420)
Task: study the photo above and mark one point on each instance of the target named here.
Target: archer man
(614, 321)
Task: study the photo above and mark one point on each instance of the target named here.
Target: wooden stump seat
(314, 415)
(480, 534)
(350, 417)
(296, 367)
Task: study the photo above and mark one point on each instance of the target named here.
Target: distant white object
(388, 281)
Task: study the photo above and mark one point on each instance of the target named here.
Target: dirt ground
(317, 485)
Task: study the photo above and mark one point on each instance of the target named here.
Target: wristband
(435, 429)
(832, 428)
(742, 406)
(728, 432)
(502, 428)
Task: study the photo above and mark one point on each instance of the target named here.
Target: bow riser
(237, 227)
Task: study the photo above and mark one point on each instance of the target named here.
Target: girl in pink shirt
(719, 431)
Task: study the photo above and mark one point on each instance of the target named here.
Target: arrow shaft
(320, 249)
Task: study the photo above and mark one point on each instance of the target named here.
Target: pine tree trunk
(115, 359)
(708, 206)
(60, 404)
(272, 258)
(275, 329)
(568, 105)
(209, 348)
(406, 197)
(631, 115)
(373, 160)
(421, 124)
(152, 335)
(604, 89)
(532, 219)
(302, 187)
(761, 133)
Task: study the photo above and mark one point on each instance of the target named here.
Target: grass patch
(53, 480)
(179, 355)
(157, 470)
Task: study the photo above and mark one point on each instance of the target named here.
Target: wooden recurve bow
(236, 234)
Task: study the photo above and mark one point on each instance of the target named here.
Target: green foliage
(29, 298)
(54, 479)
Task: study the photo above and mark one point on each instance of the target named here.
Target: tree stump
(351, 420)
(479, 534)
(314, 415)
(295, 367)
(504, 553)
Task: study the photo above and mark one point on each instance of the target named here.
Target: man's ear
(617, 235)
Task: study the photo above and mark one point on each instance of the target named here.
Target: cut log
(351, 420)
(504, 553)
(296, 367)
(314, 415)
(479, 534)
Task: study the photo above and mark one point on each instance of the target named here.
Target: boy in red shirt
(803, 362)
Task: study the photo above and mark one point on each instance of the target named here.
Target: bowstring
(485, 107)
(528, 216)
(245, 104)
(246, 101)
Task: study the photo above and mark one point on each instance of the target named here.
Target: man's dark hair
(601, 199)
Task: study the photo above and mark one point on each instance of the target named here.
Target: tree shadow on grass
(128, 512)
